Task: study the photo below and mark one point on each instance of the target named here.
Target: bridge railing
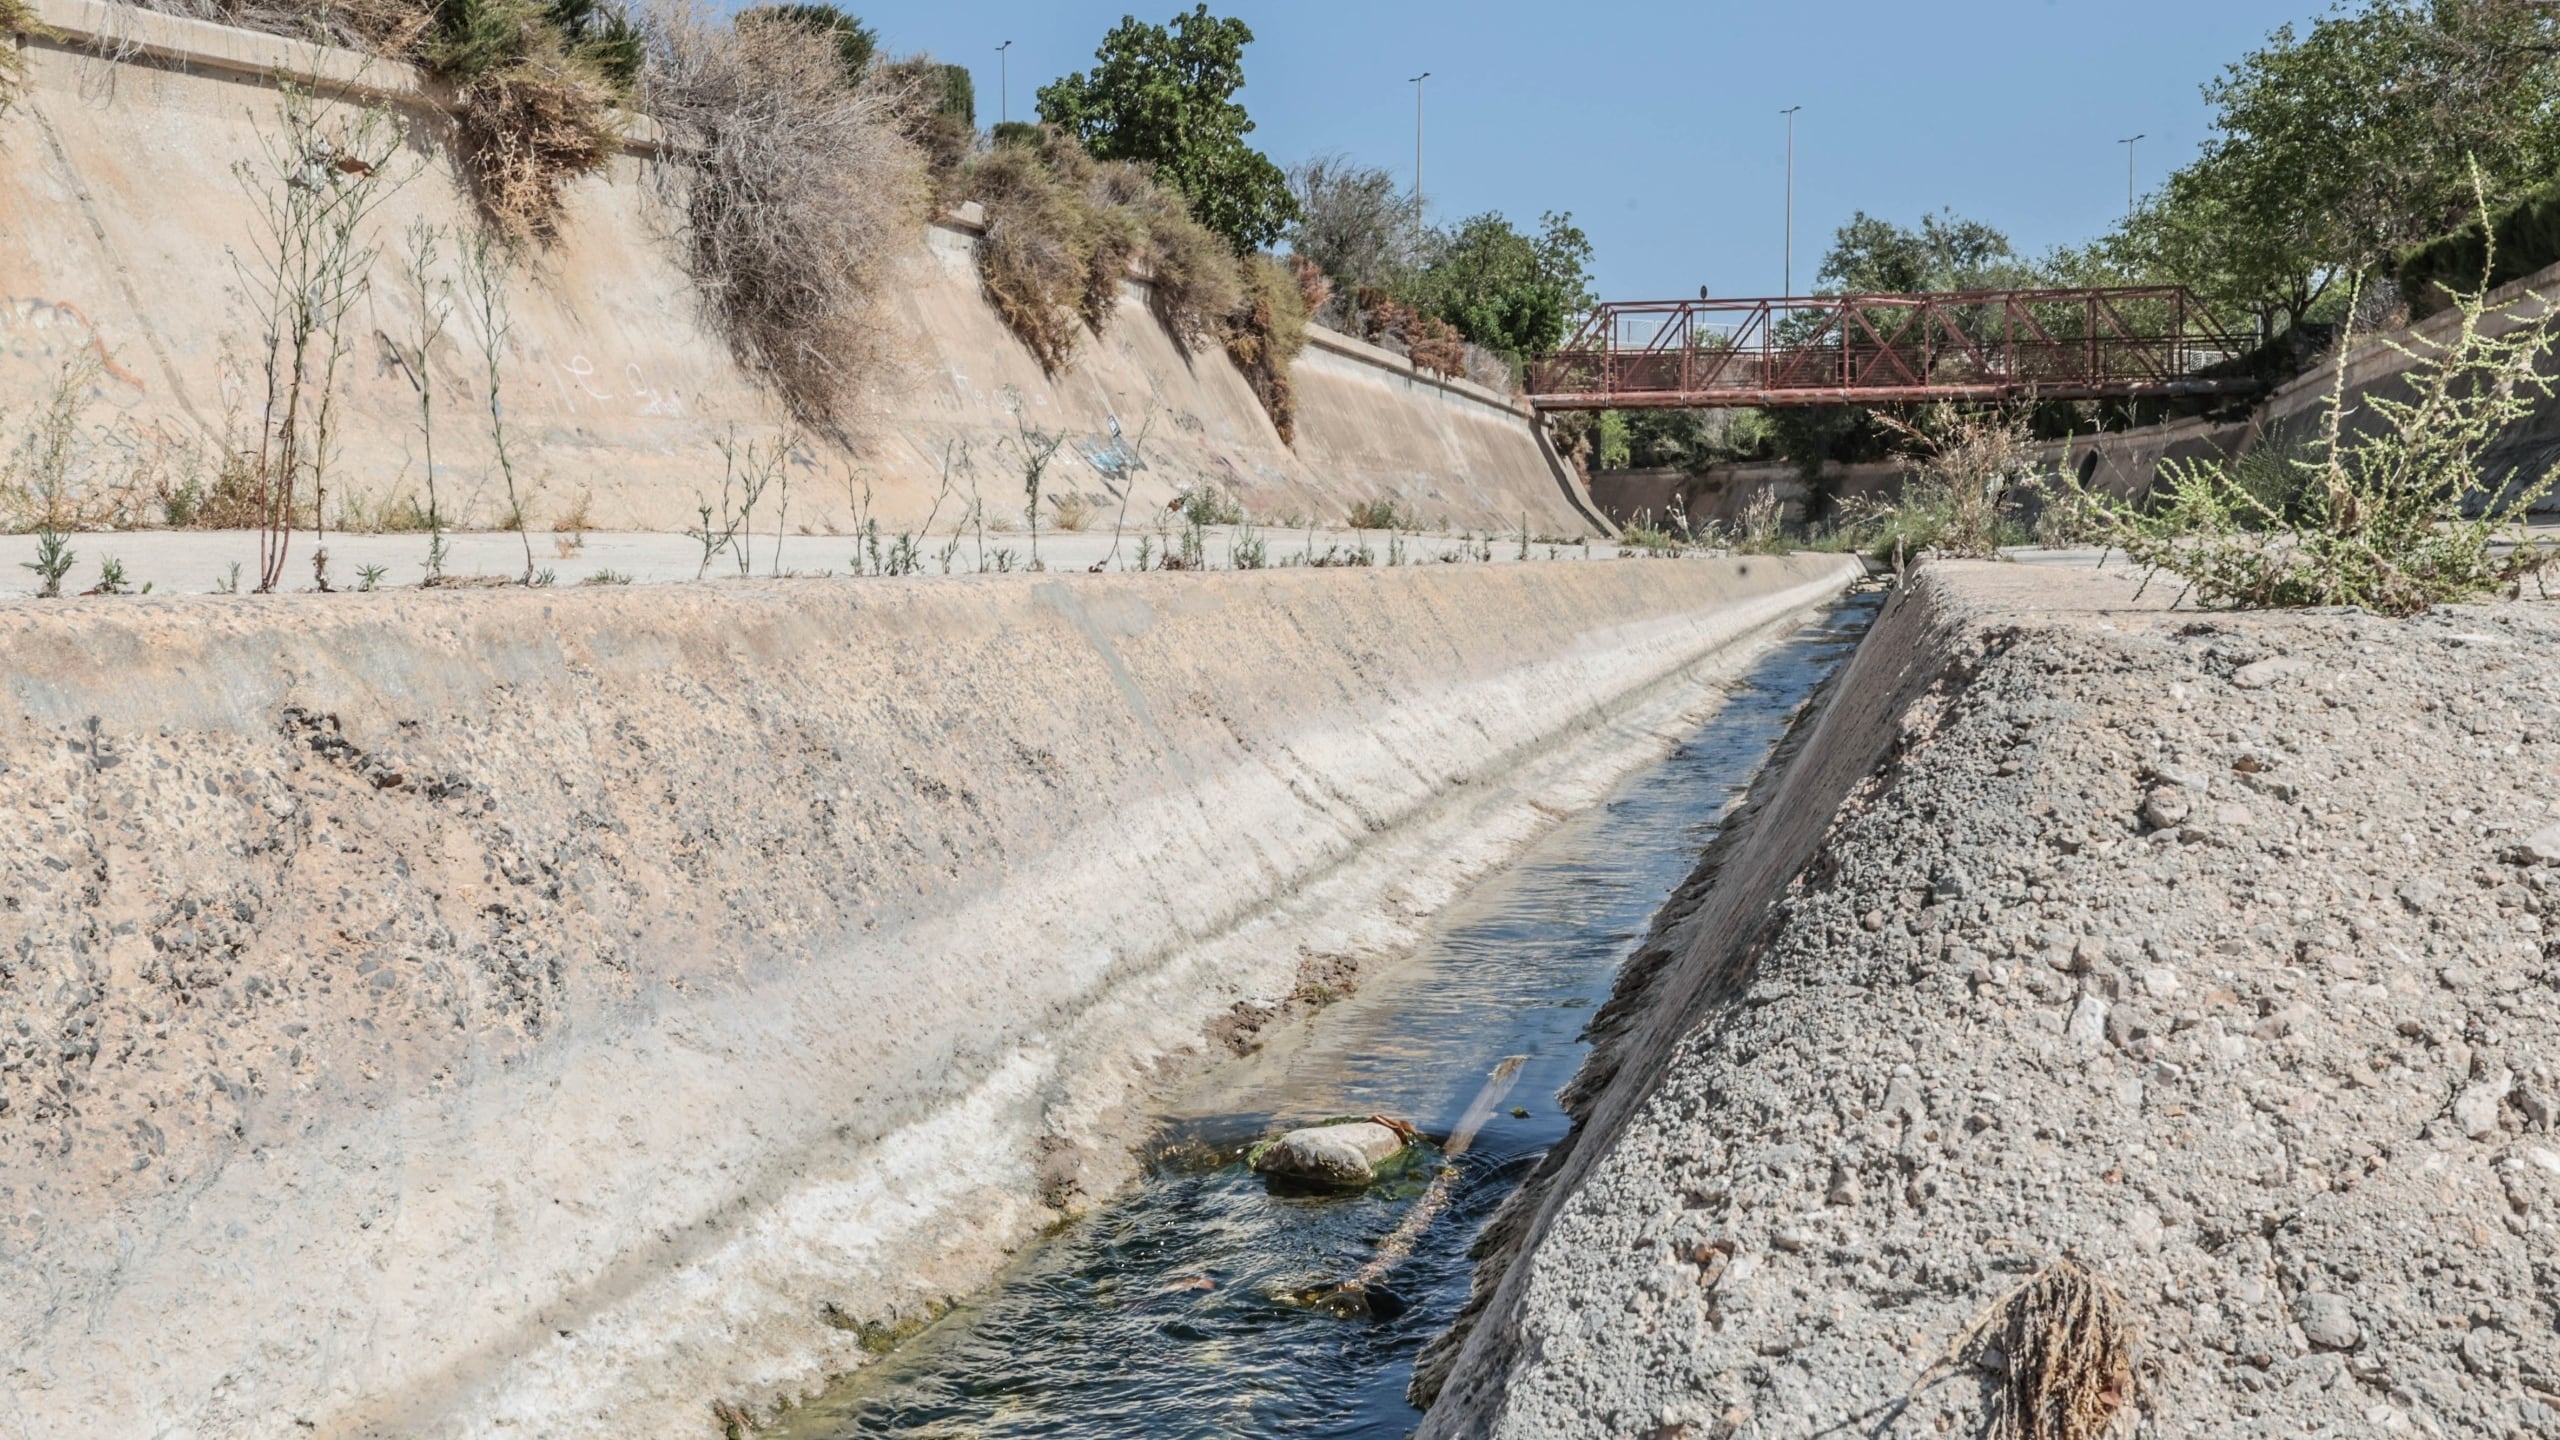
(1959, 345)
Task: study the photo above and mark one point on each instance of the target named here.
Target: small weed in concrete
(745, 474)
(113, 581)
(431, 298)
(54, 556)
(369, 577)
(1376, 515)
(607, 577)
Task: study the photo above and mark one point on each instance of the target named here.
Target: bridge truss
(1974, 345)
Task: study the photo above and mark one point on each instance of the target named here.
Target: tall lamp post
(1790, 264)
(2127, 143)
(1416, 82)
(1004, 84)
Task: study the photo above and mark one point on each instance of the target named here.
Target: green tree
(1165, 95)
(855, 42)
(2336, 146)
(1869, 256)
(1505, 290)
(941, 114)
(1355, 223)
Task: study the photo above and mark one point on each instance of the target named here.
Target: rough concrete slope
(2204, 950)
(551, 1012)
(120, 215)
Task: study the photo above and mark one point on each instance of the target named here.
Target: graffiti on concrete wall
(44, 335)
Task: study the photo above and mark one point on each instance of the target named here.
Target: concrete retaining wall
(448, 1013)
(119, 213)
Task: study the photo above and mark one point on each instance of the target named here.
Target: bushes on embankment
(2526, 236)
(1063, 230)
(802, 191)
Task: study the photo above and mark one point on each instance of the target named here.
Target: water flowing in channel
(1191, 1306)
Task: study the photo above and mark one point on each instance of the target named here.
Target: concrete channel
(553, 1013)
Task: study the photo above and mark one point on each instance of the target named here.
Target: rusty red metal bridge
(1973, 345)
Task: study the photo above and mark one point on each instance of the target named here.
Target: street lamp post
(2127, 143)
(1790, 264)
(1416, 82)
(1004, 84)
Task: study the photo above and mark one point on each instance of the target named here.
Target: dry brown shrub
(1315, 287)
(1073, 510)
(2063, 1346)
(237, 498)
(1264, 336)
(525, 131)
(797, 197)
(1118, 197)
(1436, 345)
(1035, 259)
(1197, 283)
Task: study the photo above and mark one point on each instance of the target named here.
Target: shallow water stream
(1170, 1311)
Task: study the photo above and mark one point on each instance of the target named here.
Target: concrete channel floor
(201, 561)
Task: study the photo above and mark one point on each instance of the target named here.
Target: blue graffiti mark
(1114, 461)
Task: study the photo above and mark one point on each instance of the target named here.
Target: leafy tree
(1355, 224)
(855, 42)
(941, 111)
(1877, 257)
(1165, 95)
(2336, 146)
(1505, 290)
(1873, 256)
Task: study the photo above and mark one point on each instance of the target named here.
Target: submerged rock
(1345, 1153)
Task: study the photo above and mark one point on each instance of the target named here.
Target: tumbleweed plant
(2062, 1347)
(797, 200)
(2392, 507)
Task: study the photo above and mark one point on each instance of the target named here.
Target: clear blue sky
(1656, 124)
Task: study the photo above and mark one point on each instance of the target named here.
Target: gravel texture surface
(2207, 950)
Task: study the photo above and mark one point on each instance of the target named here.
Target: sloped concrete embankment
(434, 1014)
(2210, 952)
(120, 213)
